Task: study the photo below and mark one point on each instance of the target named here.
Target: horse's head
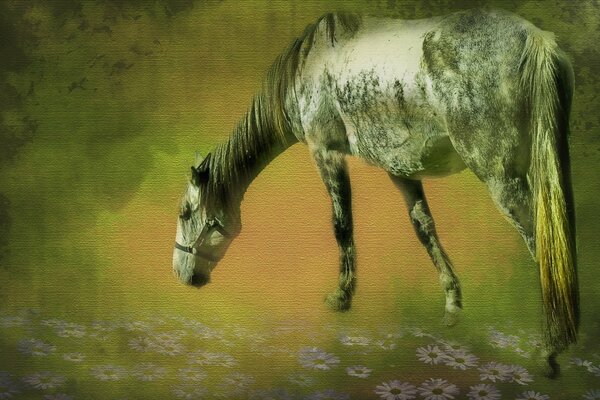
(204, 229)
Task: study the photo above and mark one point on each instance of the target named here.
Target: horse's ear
(199, 158)
(199, 175)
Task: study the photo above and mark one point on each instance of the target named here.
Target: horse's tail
(547, 81)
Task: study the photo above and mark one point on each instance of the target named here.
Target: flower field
(172, 357)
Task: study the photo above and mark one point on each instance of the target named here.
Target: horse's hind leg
(513, 198)
(504, 169)
(334, 172)
(422, 221)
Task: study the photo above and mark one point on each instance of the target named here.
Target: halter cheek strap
(187, 249)
(211, 223)
(197, 252)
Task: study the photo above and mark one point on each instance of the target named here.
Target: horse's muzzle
(199, 280)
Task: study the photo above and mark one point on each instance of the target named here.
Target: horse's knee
(422, 221)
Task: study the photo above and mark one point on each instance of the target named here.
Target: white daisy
(437, 389)
(44, 380)
(531, 395)
(592, 394)
(105, 326)
(257, 338)
(70, 329)
(189, 391)
(494, 371)
(311, 357)
(520, 375)
(170, 348)
(187, 322)
(109, 372)
(501, 340)
(200, 328)
(10, 322)
(191, 374)
(213, 359)
(483, 391)
(148, 372)
(359, 371)
(594, 369)
(460, 360)
(35, 347)
(522, 353)
(53, 322)
(141, 326)
(328, 394)
(396, 390)
(142, 344)
(238, 379)
(74, 357)
(578, 362)
(355, 341)
(171, 336)
(204, 332)
(431, 354)
(239, 332)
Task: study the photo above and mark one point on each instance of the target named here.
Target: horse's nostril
(199, 280)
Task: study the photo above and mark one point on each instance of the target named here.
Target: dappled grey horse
(484, 90)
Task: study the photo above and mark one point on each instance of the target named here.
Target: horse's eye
(186, 212)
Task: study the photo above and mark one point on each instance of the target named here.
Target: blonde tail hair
(543, 67)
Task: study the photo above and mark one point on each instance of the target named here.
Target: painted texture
(103, 105)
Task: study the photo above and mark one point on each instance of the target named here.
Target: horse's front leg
(422, 221)
(334, 172)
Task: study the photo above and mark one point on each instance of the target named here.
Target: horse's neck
(252, 146)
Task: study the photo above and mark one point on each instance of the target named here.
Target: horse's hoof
(337, 301)
(551, 368)
(451, 318)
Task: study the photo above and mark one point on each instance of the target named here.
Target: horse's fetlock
(338, 300)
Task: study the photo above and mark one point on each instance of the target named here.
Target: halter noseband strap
(211, 223)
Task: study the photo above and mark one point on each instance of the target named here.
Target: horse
(480, 89)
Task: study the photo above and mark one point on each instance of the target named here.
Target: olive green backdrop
(102, 105)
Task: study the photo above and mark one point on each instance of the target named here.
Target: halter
(212, 223)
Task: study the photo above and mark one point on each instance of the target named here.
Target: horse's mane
(267, 125)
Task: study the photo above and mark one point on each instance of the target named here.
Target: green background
(102, 105)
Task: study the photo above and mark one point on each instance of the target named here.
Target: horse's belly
(393, 124)
(418, 151)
